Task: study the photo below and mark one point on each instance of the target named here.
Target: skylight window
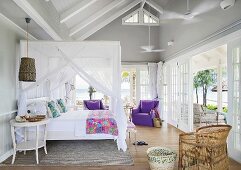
(140, 17)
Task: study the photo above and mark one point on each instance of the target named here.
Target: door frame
(231, 117)
(169, 66)
(189, 126)
(177, 123)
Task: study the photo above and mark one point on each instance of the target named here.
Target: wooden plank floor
(166, 136)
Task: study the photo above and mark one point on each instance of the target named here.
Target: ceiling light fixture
(226, 4)
(188, 15)
(27, 70)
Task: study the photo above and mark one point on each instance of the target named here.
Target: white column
(138, 88)
(219, 87)
(131, 86)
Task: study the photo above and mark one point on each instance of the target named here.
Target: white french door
(174, 95)
(185, 121)
(180, 90)
(234, 100)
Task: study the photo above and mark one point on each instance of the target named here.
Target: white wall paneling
(5, 133)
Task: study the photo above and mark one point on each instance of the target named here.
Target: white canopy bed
(98, 63)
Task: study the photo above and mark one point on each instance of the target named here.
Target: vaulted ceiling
(79, 19)
(71, 19)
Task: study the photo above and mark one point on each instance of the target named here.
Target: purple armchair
(143, 115)
(93, 105)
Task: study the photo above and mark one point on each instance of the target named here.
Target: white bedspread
(69, 126)
(70, 121)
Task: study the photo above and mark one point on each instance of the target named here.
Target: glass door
(234, 103)
(179, 87)
(174, 96)
(185, 122)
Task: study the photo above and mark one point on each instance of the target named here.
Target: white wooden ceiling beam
(143, 3)
(155, 6)
(26, 6)
(95, 16)
(68, 14)
(109, 20)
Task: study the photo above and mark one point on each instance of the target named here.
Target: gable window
(148, 18)
(132, 18)
(140, 17)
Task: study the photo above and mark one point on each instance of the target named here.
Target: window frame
(141, 13)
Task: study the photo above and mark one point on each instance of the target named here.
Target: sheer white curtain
(98, 63)
(152, 70)
(160, 87)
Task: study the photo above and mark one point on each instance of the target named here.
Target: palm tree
(206, 79)
(196, 84)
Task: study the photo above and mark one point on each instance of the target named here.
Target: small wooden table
(28, 144)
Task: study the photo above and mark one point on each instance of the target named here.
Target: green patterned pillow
(62, 105)
(53, 108)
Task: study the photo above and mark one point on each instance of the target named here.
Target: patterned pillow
(53, 108)
(63, 108)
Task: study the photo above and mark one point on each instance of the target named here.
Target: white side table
(29, 144)
(131, 128)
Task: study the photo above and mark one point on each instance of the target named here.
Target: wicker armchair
(204, 149)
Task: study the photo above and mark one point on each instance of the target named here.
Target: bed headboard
(38, 99)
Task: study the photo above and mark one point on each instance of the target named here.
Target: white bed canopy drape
(160, 88)
(98, 63)
(152, 70)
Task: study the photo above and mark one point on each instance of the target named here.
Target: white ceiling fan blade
(153, 51)
(205, 6)
(192, 21)
(158, 50)
(167, 15)
(147, 48)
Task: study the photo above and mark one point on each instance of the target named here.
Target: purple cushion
(93, 105)
(146, 106)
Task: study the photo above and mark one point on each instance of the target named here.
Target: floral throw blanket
(101, 122)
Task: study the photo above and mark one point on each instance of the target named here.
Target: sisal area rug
(78, 153)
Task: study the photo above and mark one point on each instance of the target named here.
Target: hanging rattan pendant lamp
(27, 70)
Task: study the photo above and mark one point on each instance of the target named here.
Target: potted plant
(91, 91)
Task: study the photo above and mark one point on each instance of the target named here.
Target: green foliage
(204, 79)
(225, 109)
(91, 91)
(212, 107)
(125, 74)
(196, 82)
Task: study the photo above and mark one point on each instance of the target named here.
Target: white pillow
(39, 108)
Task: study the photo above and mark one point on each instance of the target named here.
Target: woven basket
(157, 122)
(27, 71)
(161, 158)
